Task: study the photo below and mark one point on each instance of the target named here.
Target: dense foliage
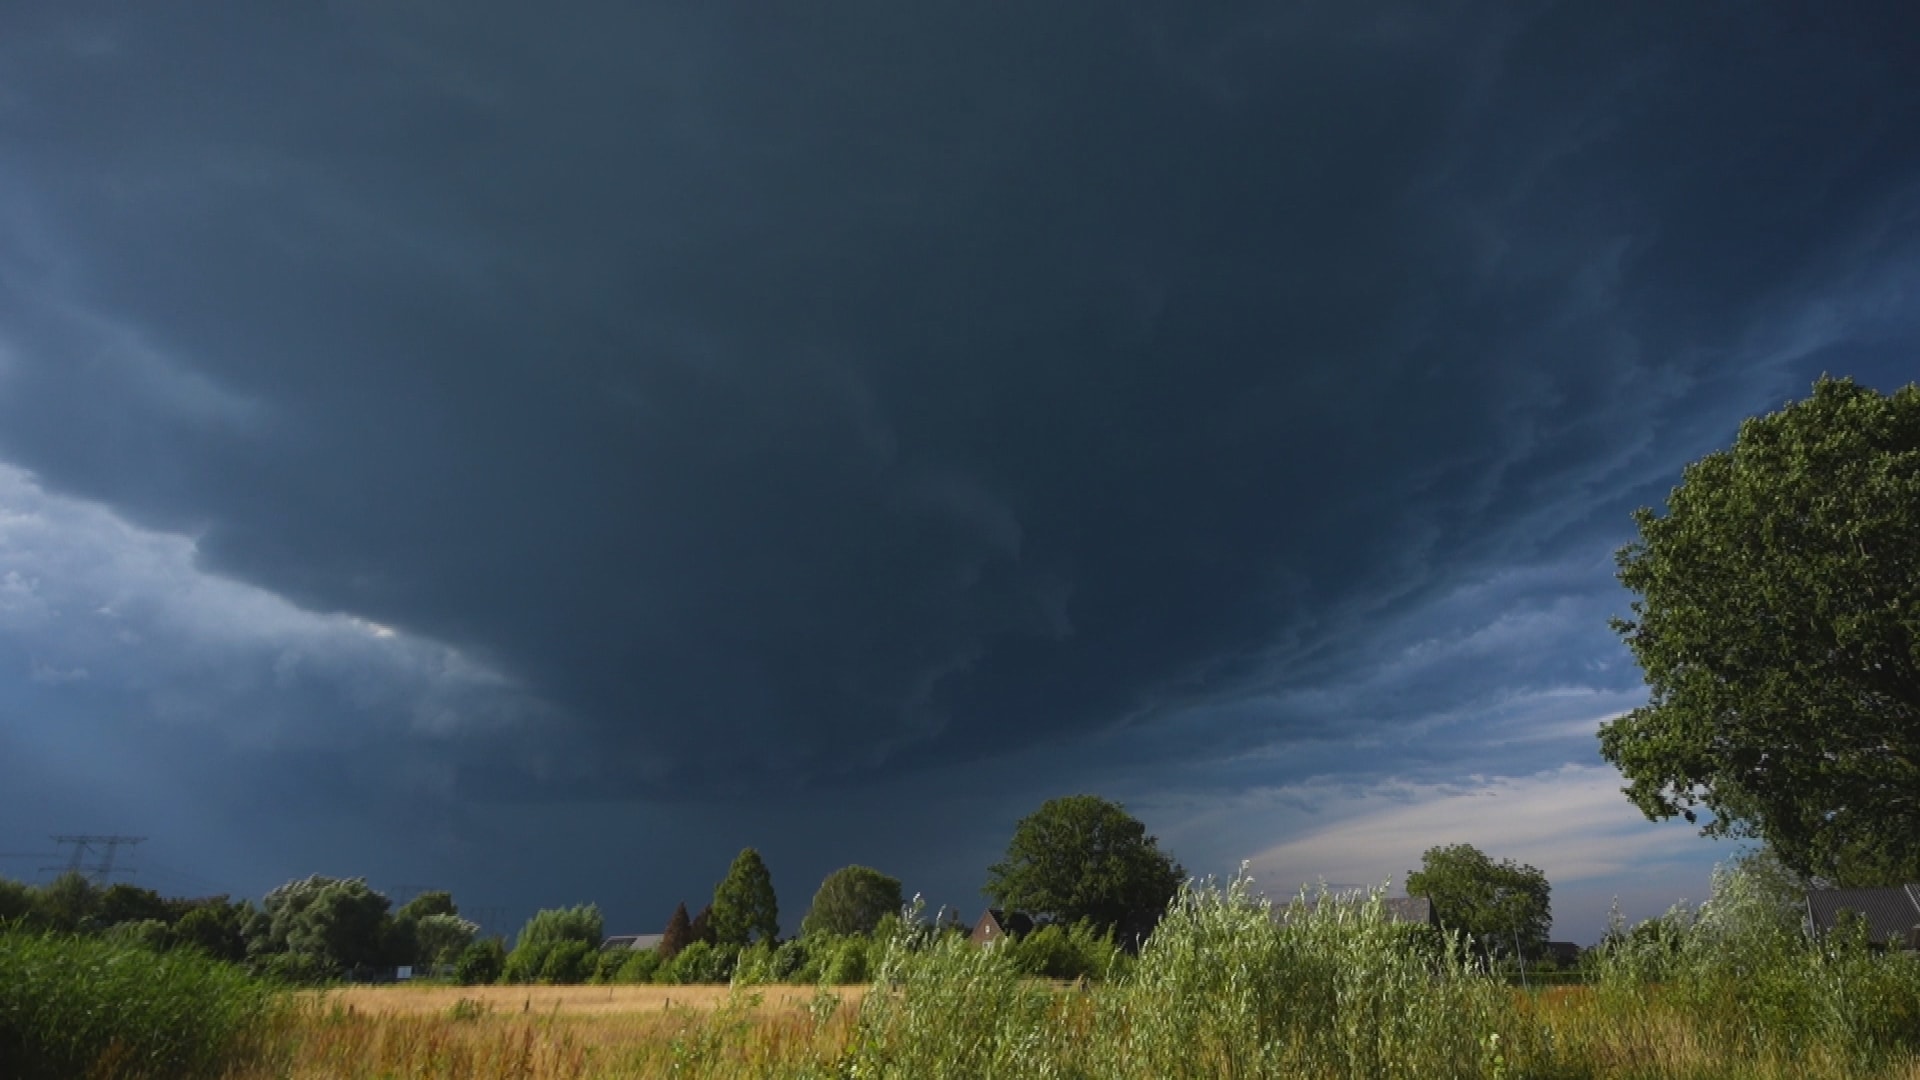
(852, 900)
(744, 907)
(322, 927)
(74, 1006)
(1505, 907)
(679, 933)
(1083, 858)
(557, 945)
(1778, 626)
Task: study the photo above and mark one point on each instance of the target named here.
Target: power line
(83, 845)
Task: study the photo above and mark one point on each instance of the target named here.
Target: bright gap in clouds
(89, 602)
(1572, 823)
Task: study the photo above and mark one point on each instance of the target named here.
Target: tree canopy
(434, 902)
(1502, 905)
(744, 907)
(852, 900)
(582, 924)
(336, 925)
(1083, 857)
(1778, 627)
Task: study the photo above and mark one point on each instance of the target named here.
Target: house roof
(1892, 913)
(1010, 923)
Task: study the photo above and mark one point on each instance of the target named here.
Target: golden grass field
(559, 1032)
(591, 1032)
(404, 1000)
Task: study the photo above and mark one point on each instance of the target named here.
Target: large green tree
(335, 925)
(1778, 626)
(852, 900)
(1504, 906)
(744, 907)
(1081, 857)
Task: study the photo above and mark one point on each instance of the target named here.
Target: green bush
(566, 963)
(582, 924)
(1332, 989)
(1081, 951)
(525, 963)
(948, 1009)
(788, 960)
(481, 962)
(606, 965)
(848, 962)
(16, 902)
(145, 933)
(638, 966)
(214, 929)
(700, 962)
(754, 965)
(1753, 986)
(72, 1006)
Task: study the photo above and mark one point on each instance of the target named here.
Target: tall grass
(1226, 989)
(94, 1007)
(1229, 987)
(1736, 988)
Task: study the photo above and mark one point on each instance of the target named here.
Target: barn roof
(1892, 914)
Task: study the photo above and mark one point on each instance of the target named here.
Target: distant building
(632, 941)
(996, 924)
(1892, 914)
(1564, 954)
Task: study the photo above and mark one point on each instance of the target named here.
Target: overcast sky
(539, 455)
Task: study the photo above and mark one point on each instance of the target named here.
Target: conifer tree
(679, 933)
(744, 907)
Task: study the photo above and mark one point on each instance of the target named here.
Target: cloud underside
(655, 406)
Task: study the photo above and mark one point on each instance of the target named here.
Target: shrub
(1223, 987)
(848, 962)
(524, 963)
(1754, 987)
(788, 960)
(582, 924)
(74, 1006)
(948, 1009)
(754, 965)
(700, 962)
(213, 929)
(17, 901)
(1081, 951)
(606, 965)
(439, 939)
(566, 963)
(144, 933)
(638, 966)
(481, 962)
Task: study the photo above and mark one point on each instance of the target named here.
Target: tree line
(1084, 872)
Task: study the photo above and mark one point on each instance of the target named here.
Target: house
(996, 924)
(1892, 914)
(637, 942)
(1562, 954)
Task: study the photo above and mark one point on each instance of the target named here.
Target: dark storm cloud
(782, 396)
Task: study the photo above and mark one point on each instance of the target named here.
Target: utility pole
(84, 845)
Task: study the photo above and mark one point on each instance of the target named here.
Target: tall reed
(95, 1007)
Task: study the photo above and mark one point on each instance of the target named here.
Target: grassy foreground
(89, 1007)
(1728, 990)
(1223, 989)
